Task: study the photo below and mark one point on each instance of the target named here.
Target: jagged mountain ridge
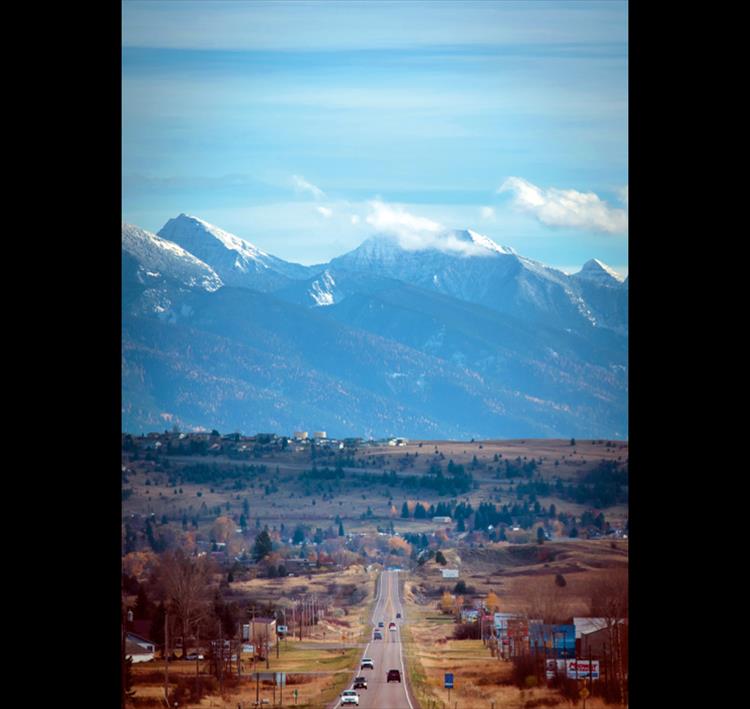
(235, 260)
(490, 275)
(385, 357)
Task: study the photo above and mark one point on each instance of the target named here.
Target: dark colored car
(360, 683)
(398, 615)
(377, 635)
(393, 676)
(380, 624)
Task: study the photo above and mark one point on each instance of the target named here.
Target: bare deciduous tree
(608, 600)
(186, 584)
(546, 601)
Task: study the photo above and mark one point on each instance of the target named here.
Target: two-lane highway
(386, 654)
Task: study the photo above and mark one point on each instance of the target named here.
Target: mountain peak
(470, 236)
(237, 261)
(596, 270)
(160, 257)
(194, 228)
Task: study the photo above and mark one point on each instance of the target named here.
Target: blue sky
(292, 124)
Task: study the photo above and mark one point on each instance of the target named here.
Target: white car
(349, 696)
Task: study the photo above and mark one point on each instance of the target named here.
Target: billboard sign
(448, 680)
(501, 621)
(555, 668)
(582, 669)
(450, 573)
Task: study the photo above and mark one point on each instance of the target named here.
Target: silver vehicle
(349, 696)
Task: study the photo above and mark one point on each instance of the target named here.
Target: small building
(300, 435)
(319, 435)
(261, 630)
(442, 520)
(137, 653)
(138, 648)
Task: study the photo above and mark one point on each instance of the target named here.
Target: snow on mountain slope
(237, 261)
(596, 271)
(157, 257)
(472, 267)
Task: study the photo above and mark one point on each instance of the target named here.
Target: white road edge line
(401, 657)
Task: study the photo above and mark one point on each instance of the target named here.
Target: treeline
(214, 472)
(603, 486)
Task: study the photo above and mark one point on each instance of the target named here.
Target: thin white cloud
(415, 233)
(355, 219)
(302, 185)
(487, 213)
(325, 211)
(566, 208)
(623, 195)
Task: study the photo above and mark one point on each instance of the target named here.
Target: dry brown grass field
(318, 667)
(524, 582)
(278, 496)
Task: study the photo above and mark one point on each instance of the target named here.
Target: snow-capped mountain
(472, 267)
(455, 336)
(158, 257)
(237, 261)
(597, 272)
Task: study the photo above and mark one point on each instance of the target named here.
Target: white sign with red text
(582, 669)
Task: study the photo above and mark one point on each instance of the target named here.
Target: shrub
(467, 631)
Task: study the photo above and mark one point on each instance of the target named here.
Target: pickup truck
(360, 683)
(366, 664)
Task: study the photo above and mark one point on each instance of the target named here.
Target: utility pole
(166, 656)
(122, 656)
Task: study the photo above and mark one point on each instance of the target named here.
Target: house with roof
(138, 648)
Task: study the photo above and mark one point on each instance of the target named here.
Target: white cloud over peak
(302, 185)
(415, 233)
(566, 208)
(325, 211)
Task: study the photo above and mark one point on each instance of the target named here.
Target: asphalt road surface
(386, 653)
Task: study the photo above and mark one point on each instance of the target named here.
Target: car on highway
(360, 683)
(366, 664)
(391, 626)
(380, 624)
(349, 696)
(393, 676)
(398, 615)
(377, 635)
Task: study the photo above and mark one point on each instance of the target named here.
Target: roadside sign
(248, 648)
(582, 669)
(281, 630)
(448, 680)
(281, 679)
